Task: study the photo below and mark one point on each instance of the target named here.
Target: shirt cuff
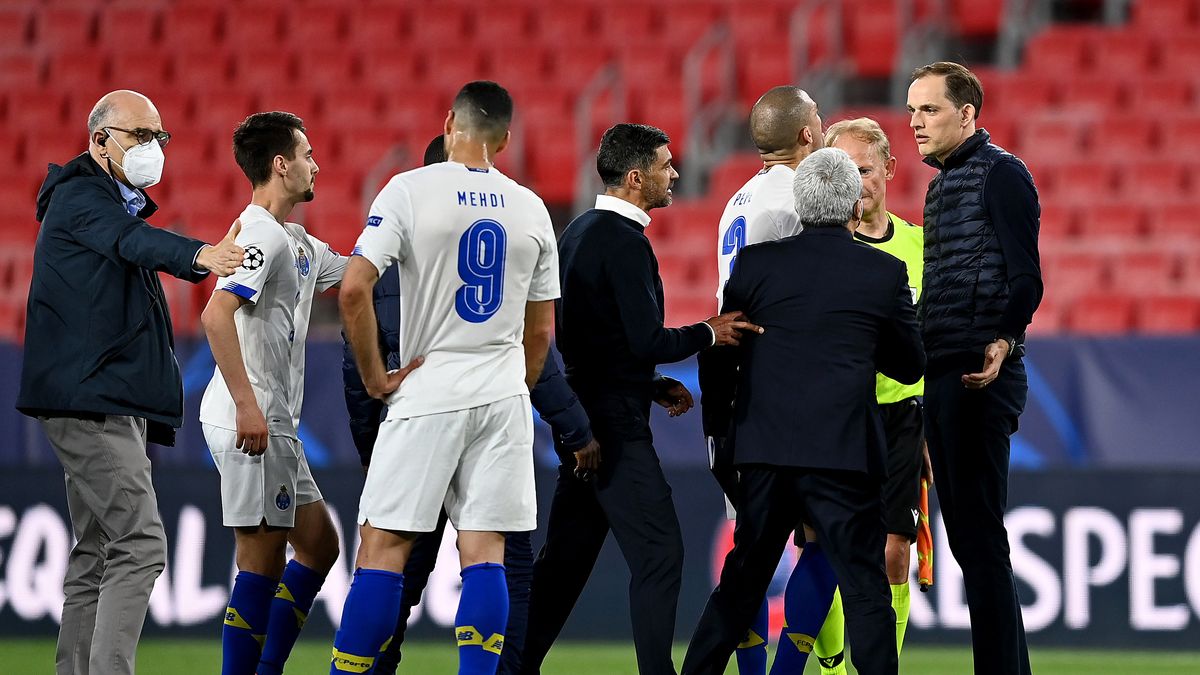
(195, 267)
(710, 330)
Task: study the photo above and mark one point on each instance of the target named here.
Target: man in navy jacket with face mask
(99, 370)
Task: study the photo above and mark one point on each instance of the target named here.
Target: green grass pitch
(157, 656)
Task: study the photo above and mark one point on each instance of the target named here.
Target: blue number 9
(735, 239)
(481, 252)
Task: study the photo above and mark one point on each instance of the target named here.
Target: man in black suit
(611, 335)
(803, 423)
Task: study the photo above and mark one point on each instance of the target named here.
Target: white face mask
(143, 165)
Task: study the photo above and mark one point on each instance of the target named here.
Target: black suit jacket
(802, 394)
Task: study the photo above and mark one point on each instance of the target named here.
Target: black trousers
(631, 497)
(518, 569)
(968, 434)
(846, 510)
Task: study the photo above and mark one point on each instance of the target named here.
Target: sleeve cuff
(195, 267)
(712, 331)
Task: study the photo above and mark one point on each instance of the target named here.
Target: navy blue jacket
(552, 398)
(98, 332)
(802, 394)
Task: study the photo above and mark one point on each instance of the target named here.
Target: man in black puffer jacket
(982, 285)
(99, 369)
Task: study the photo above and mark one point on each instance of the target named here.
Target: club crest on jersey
(253, 258)
(302, 262)
(283, 500)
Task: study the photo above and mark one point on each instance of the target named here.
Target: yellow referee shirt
(907, 242)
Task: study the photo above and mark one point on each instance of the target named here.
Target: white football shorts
(267, 487)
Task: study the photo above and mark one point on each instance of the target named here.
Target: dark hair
(962, 87)
(260, 138)
(626, 147)
(484, 106)
(435, 152)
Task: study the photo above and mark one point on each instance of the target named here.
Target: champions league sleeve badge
(302, 263)
(283, 500)
(253, 258)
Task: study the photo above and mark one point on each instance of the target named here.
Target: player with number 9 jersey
(473, 247)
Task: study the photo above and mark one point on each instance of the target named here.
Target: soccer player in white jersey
(257, 321)
(478, 277)
(785, 126)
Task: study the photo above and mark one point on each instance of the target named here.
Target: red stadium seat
(1113, 137)
(1103, 313)
(515, 69)
(1120, 54)
(438, 25)
(452, 67)
(683, 26)
(201, 70)
(389, 68)
(1168, 314)
(1161, 92)
(1118, 223)
(199, 188)
(624, 21)
(19, 71)
(350, 107)
(565, 24)
(1144, 272)
(259, 68)
(640, 72)
(14, 29)
(129, 26)
(575, 67)
(1059, 50)
(536, 104)
(65, 28)
(1057, 223)
(193, 26)
(36, 109)
(553, 159)
(1082, 182)
(1180, 53)
(70, 69)
(362, 149)
(252, 25)
(976, 18)
(335, 223)
(1154, 181)
(135, 69)
(339, 185)
(420, 111)
(663, 106)
(301, 102)
(732, 174)
(319, 27)
(223, 110)
(326, 68)
(1068, 276)
(756, 22)
(1163, 16)
(1051, 138)
(1172, 226)
(1181, 134)
(376, 26)
(1099, 94)
(873, 37)
(510, 19)
(1017, 94)
(761, 66)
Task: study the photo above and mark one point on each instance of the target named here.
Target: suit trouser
(968, 434)
(120, 544)
(846, 510)
(630, 496)
(518, 569)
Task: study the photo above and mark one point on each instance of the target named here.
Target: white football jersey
(284, 267)
(763, 210)
(473, 247)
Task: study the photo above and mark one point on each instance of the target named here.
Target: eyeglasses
(144, 136)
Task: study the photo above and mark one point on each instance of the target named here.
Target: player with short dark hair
(257, 322)
(478, 274)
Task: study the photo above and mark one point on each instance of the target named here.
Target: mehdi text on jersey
(492, 199)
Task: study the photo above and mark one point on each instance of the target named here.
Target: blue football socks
(368, 619)
(806, 602)
(289, 611)
(752, 652)
(481, 619)
(246, 623)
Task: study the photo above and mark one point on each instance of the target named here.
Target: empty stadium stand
(1106, 115)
